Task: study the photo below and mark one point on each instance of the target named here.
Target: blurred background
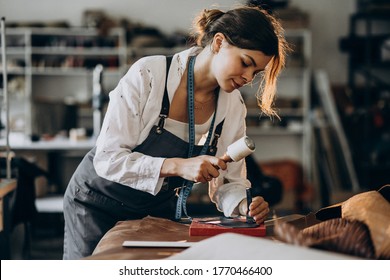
(332, 139)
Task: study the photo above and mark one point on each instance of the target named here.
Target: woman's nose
(247, 76)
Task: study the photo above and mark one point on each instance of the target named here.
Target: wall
(169, 15)
(329, 19)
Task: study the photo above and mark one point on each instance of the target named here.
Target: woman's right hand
(200, 169)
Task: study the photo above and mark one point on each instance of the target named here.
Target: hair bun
(203, 22)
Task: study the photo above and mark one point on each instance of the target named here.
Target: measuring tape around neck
(181, 206)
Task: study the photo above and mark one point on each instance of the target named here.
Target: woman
(168, 125)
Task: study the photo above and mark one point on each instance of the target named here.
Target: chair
(22, 205)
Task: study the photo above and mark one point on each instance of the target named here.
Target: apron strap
(165, 104)
(217, 134)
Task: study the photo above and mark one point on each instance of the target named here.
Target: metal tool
(249, 219)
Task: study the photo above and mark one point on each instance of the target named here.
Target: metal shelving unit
(4, 102)
(54, 66)
(368, 81)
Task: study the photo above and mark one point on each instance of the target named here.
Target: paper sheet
(232, 246)
(158, 244)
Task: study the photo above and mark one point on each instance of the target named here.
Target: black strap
(165, 106)
(217, 134)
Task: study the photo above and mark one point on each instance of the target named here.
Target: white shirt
(180, 130)
(134, 108)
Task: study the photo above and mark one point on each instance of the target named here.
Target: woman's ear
(217, 42)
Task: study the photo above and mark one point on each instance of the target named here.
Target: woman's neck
(205, 82)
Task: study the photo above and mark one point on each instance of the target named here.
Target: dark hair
(248, 28)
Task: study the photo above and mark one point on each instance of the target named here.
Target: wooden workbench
(151, 229)
(7, 187)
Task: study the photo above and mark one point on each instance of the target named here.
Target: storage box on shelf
(18, 78)
(135, 53)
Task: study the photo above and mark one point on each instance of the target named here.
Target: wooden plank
(329, 106)
(6, 187)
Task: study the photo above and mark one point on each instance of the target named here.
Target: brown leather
(338, 235)
(371, 208)
(146, 229)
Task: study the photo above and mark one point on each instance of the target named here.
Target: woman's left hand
(259, 209)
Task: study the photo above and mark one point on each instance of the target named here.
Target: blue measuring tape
(181, 206)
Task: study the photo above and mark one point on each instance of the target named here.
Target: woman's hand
(200, 169)
(258, 209)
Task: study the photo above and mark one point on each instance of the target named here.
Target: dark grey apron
(93, 205)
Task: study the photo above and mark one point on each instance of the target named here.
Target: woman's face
(234, 67)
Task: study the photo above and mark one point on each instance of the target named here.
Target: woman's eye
(244, 64)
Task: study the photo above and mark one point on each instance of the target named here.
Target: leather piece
(371, 208)
(146, 229)
(337, 235)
